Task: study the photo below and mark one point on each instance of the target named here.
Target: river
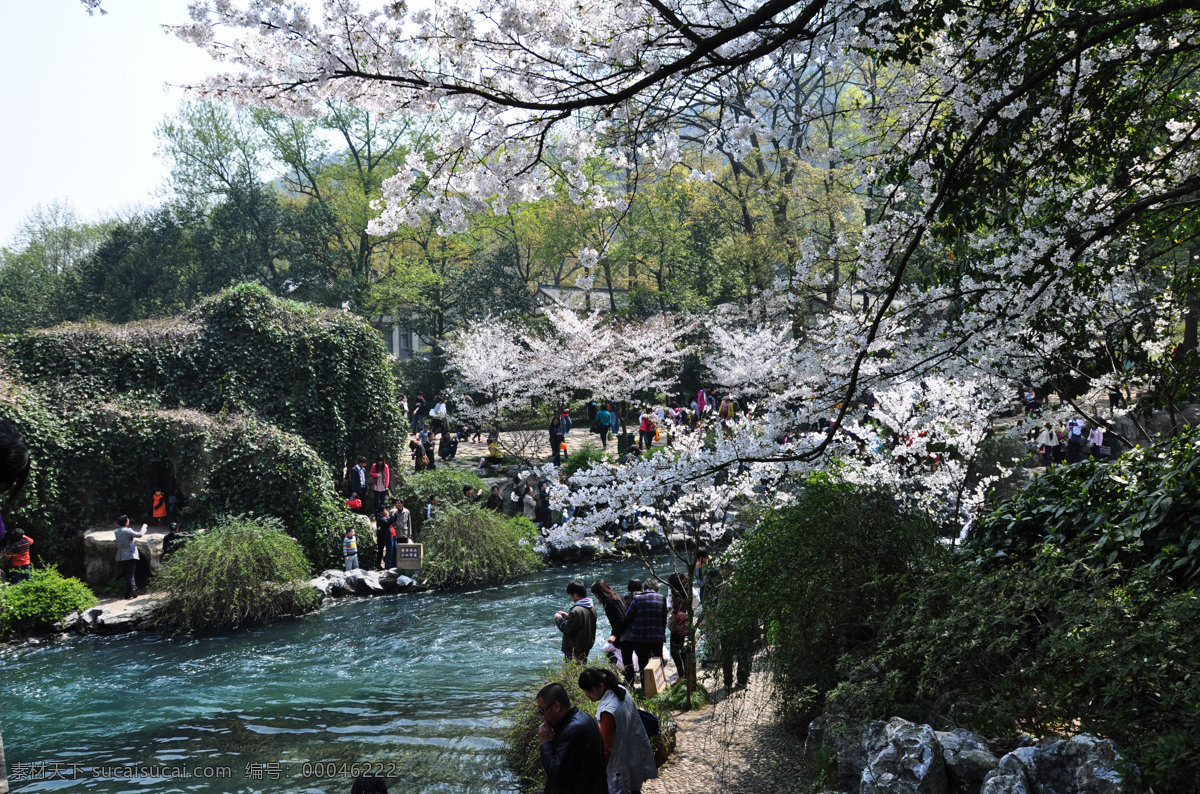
(412, 685)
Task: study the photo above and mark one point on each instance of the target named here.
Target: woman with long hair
(628, 757)
(614, 610)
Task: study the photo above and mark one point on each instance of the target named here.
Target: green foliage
(583, 459)
(249, 404)
(676, 698)
(36, 603)
(244, 570)
(93, 464)
(1143, 509)
(446, 484)
(1048, 647)
(319, 374)
(468, 545)
(814, 575)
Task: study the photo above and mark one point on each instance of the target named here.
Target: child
(350, 550)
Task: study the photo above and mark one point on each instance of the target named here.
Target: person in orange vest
(160, 507)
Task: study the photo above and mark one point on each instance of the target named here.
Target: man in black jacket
(572, 749)
(579, 625)
(358, 483)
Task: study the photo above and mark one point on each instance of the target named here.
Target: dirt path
(734, 746)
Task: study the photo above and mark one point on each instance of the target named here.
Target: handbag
(596, 428)
(649, 722)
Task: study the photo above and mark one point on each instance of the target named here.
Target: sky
(80, 98)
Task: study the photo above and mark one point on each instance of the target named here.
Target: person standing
(578, 625)
(417, 415)
(645, 626)
(381, 479)
(494, 502)
(678, 623)
(350, 550)
(572, 750)
(1095, 441)
(358, 481)
(1048, 445)
(437, 416)
(127, 553)
(557, 437)
(1075, 440)
(385, 541)
(402, 520)
(646, 429)
(628, 756)
(614, 610)
(603, 425)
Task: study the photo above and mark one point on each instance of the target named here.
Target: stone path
(734, 746)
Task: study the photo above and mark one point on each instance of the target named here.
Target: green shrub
(1143, 509)
(813, 576)
(469, 545)
(320, 374)
(522, 752)
(244, 570)
(36, 603)
(1050, 647)
(676, 698)
(444, 483)
(584, 459)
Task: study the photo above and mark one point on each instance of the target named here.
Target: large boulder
(967, 758)
(902, 758)
(100, 553)
(364, 583)
(1081, 763)
(835, 734)
(336, 582)
(1012, 774)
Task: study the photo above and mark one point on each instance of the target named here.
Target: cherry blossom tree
(1012, 177)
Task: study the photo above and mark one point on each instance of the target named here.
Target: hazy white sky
(80, 98)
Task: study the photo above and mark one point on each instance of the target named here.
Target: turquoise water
(413, 686)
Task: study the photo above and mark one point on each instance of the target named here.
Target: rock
(363, 583)
(70, 622)
(902, 758)
(337, 582)
(967, 759)
(1005, 783)
(405, 583)
(654, 540)
(321, 587)
(100, 553)
(1011, 775)
(1081, 763)
(576, 549)
(834, 733)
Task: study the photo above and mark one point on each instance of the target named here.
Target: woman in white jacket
(628, 756)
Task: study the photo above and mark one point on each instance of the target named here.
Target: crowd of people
(1074, 442)
(611, 753)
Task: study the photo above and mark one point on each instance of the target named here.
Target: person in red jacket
(17, 553)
